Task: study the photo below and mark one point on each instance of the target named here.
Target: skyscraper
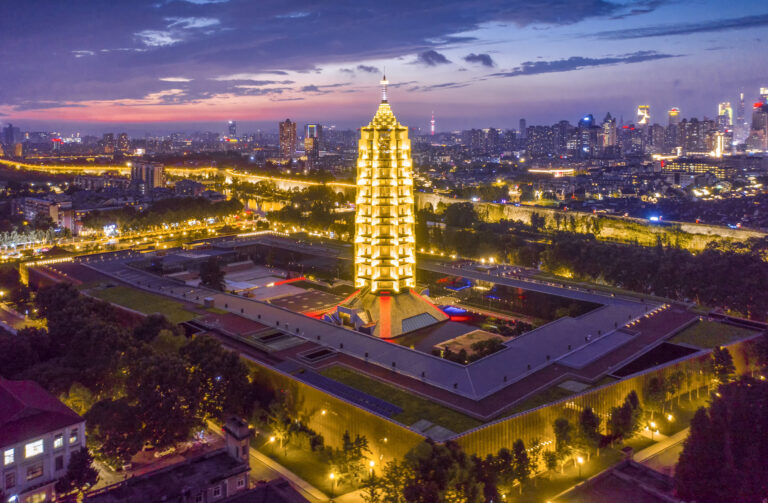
(122, 142)
(522, 129)
(313, 134)
(385, 249)
(287, 139)
(643, 115)
(432, 124)
(146, 176)
(232, 129)
(724, 110)
(674, 116)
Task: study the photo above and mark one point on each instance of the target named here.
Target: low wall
(687, 235)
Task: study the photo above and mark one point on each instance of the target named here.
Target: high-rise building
(643, 115)
(232, 129)
(108, 143)
(432, 124)
(764, 95)
(11, 135)
(674, 116)
(313, 134)
(146, 176)
(758, 135)
(287, 139)
(122, 142)
(724, 110)
(386, 304)
(608, 137)
(522, 129)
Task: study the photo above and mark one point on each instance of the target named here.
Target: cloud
(739, 23)
(347, 70)
(432, 58)
(483, 59)
(446, 85)
(44, 104)
(189, 23)
(175, 79)
(157, 38)
(579, 62)
(321, 89)
(82, 54)
(368, 69)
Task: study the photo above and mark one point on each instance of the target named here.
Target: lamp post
(653, 427)
(332, 476)
(580, 461)
(272, 441)
(371, 464)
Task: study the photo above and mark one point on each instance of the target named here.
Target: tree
(112, 425)
(655, 394)
(562, 429)
(395, 477)
(461, 215)
(535, 456)
(722, 365)
(80, 474)
(151, 325)
(211, 275)
(521, 462)
(550, 461)
(589, 436)
(675, 382)
(371, 489)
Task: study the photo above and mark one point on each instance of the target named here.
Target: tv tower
(432, 124)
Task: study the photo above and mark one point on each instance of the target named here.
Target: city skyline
(195, 64)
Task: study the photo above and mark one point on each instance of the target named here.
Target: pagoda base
(387, 316)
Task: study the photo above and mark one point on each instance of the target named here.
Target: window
(241, 482)
(199, 498)
(245, 450)
(59, 463)
(73, 436)
(58, 441)
(10, 480)
(8, 457)
(217, 491)
(35, 470)
(33, 448)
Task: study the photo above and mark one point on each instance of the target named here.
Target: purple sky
(162, 65)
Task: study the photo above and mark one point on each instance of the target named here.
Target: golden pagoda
(385, 249)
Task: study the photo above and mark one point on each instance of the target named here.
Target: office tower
(764, 95)
(146, 176)
(608, 138)
(385, 250)
(287, 139)
(11, 135)
(643, 115)
(122, 142)
(108, 143)
(312, 143)
(588, 134)
(232, 129)
(522, 129)
(674, 116)
(724, 110)
(758, 136)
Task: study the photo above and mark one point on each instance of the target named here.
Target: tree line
(164, 211)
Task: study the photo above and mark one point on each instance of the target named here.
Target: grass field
(414, 407)
(709, 334)
(144, 302)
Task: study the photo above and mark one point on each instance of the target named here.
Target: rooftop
(28, 411)
(188, 477)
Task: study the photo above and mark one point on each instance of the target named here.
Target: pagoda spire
(384, 82)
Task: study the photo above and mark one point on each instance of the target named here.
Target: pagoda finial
(384, 83)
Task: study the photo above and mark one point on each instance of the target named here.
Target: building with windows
(146, 176)
(287, 139)
(38, 434)
(313, 135)
(218, 475)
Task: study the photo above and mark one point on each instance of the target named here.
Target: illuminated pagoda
(386, 304)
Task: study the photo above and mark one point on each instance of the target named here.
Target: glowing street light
(580, 462)
(332, 476)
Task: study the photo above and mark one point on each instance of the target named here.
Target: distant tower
(232, 126)
(287, 139)
(644, 115)
(432, 124)
(674, 116)
(522, 128)
(724, 114)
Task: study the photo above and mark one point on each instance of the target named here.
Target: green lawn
(414, 407)
(144, 302)
(551, 394)
(709, 334)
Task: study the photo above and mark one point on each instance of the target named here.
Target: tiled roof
(28, 411)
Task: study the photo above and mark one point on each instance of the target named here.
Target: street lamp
(371, 465)
(580, 462)
(332, 476)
